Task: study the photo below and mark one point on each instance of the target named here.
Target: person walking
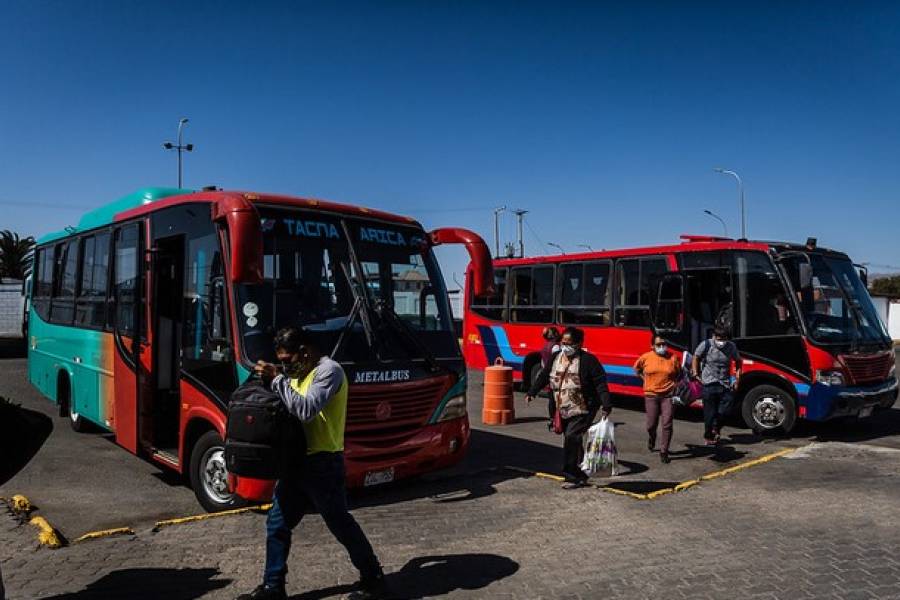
(660, 370)
(578, 382)
(712, 365)
(551, 346)
(314, 389)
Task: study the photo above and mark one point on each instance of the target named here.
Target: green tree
(887, 286)
(14, 254)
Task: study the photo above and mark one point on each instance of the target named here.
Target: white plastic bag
(600, 450)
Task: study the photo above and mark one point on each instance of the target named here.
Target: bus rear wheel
(208, 475)
(769, 409)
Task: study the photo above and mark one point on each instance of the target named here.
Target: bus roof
(690, 243)
(148, 200)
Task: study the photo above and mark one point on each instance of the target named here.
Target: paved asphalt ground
(822, 522)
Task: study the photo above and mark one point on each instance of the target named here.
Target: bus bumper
(826, 402)
(433, 447)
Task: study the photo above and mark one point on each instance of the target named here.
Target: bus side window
(91, 306)
(532, 294)
(635, 278)
(763, 307)
(491, 307)
(584, 293)
(126, 281)
(42, 288)
(62, 308)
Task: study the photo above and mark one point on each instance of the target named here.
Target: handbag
(557, 418)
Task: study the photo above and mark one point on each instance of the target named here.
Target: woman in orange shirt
(660, 370)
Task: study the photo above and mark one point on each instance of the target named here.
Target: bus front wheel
(769, 409)
(209, 477)
(64, 395)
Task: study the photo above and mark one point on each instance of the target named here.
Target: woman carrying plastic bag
(600, 448)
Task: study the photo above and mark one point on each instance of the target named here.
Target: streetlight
(588, 246)
(179, 146)
(497, 212)
(715, 216)
(741, 192)
(561, 251)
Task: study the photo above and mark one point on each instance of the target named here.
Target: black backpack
(262, 439)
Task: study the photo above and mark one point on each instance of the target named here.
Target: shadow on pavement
(883, 423)
(428, 576)
(171, 584)
(12, 348)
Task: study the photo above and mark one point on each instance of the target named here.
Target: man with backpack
(313, 387)
(712, 365)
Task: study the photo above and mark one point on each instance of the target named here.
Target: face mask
(661, 349)
(720, 343)
(568, 350)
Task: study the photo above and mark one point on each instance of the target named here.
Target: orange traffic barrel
(498, 395)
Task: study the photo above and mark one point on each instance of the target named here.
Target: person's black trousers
(573, 445)
(716, 404)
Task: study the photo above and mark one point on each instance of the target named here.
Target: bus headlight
(830, 377)
(454, 408)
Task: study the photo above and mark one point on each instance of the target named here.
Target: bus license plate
(866, 412)
(379, 477)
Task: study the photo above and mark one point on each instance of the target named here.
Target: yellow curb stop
(192, 519)
(47, 536)
(94, 535)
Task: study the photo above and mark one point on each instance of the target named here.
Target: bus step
(169, 457)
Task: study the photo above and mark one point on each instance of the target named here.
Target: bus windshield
(311, 280)
(836, 307)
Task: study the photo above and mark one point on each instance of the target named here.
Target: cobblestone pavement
(823, 523)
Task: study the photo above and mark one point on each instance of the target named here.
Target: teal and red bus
(147, 314)
(812, 342)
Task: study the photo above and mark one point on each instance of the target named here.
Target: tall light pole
(717, 217)
(179, 146)
(519, 215)
(497, 212)
(560, 248)
(741, 193)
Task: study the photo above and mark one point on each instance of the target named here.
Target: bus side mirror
(479, 255)
(667, 304)
(244, 231)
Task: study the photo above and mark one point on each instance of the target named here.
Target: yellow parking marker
(193, 519)
(47, 536)
(540, 474)
(747, 465)
(618, 492)
(93, 535)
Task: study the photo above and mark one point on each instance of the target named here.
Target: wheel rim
(769, 412)
(214, 475)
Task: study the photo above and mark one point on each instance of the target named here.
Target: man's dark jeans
(317, 485)
(716, 405)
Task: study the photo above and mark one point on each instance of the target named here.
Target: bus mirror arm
(244, 232)
(479, 255)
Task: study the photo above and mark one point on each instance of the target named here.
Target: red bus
(146, 316)
(812, 342)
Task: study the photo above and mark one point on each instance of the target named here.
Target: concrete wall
(12, 308)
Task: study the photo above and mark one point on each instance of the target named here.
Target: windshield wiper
(389, 316)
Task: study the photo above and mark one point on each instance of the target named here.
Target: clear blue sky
(603, 119)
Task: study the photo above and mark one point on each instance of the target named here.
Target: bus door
(166, 323)
(132, 360)
(708, 294)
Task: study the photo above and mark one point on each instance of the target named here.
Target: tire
(208, 476)
(769, 409)
(533, 375)
(64, 396)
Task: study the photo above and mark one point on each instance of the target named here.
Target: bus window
(634, 280)
(532, 295)
(91, 306)
(126, 279)
(584, 293)
(62, 309)
(763, 307)
(491, 307)
(43, 286)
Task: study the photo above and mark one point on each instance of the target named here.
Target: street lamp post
(179, 147)
(741, 193)
(560, 248)
(588, 246)
(497, 212)
(717, 217)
